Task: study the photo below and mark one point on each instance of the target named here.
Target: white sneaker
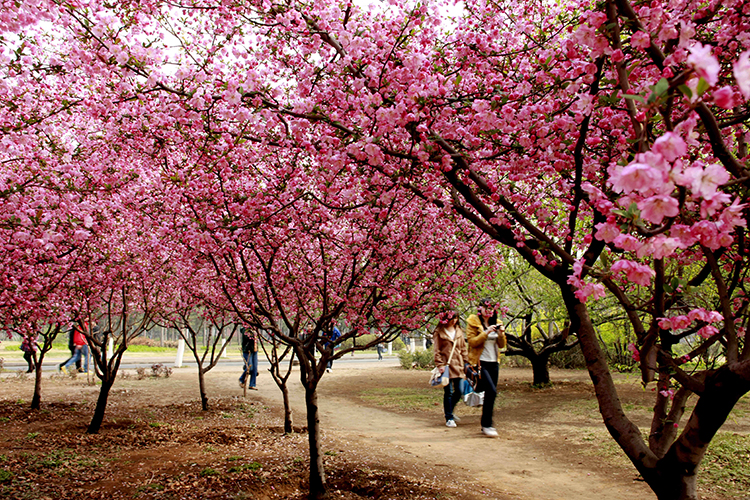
(489, 432)
(452, 423)
(457, 419)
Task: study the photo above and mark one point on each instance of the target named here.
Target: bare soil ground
(383, 437)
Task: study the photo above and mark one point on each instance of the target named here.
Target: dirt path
(518, 465)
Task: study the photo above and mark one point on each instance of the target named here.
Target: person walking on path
(81, 350)
(381, 350)
(250, 357)
(450, 354)
(485, 338)
(72, 348)
(29, 347)
(331, 342)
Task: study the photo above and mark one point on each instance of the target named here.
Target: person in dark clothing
(29, 347)
(335, 334)
(250, 356)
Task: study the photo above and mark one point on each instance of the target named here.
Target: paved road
(133, 361)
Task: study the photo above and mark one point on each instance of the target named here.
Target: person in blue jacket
(335, 334)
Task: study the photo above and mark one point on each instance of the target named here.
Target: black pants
(29, 357)
(488, 384)
(451, 397)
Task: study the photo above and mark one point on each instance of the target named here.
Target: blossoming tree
(605, 143)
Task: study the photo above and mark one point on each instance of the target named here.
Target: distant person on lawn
(448, 333)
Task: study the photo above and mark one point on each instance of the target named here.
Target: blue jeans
(251, 367)
(451, 397)
(81, 353)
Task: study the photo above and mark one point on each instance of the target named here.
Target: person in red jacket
(81, 350)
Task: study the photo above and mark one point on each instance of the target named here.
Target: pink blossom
(590, 290)
(742, 74)
(637, 273)
(607, 231)
(634, 177)
(684, 235)
(704, 63)
(685, 358)
(680, 322)
(655, 208)
(662, 246)
(670, 146)
(698, 314)
(617, 55)
(708, 331)
(732, 215)
(628, 242)
(715, 317)
(634, 351)
(665, 324)
(711, 205)
(707, 233)
(669, 393)
(705, 181)
(724, 97)
(640, 40)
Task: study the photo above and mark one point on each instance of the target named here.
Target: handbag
(471, 397)
(474, 398)
(441, 378)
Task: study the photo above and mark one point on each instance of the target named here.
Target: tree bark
(202, 388)
(317, 473)
(101, 406)
(36, 400)
(540, 367)
(288, 428)
(675, 477)
(622, 430)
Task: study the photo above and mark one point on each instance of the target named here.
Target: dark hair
(488, 302)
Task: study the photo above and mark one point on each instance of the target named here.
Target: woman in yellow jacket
(445, 335)
(486, 338)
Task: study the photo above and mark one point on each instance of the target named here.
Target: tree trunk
(317, 473)
(675, 477)
(622, 430)
(101, 406)
(202, 387)
(288, 428)
(540, 367)
(36, 400)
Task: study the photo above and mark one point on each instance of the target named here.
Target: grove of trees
(296, 164)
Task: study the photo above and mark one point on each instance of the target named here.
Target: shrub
(398, 345)
(143, 341)
(421, 359)
(159, 370)
(572, 358)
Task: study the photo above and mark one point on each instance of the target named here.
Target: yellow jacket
(476, 336)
